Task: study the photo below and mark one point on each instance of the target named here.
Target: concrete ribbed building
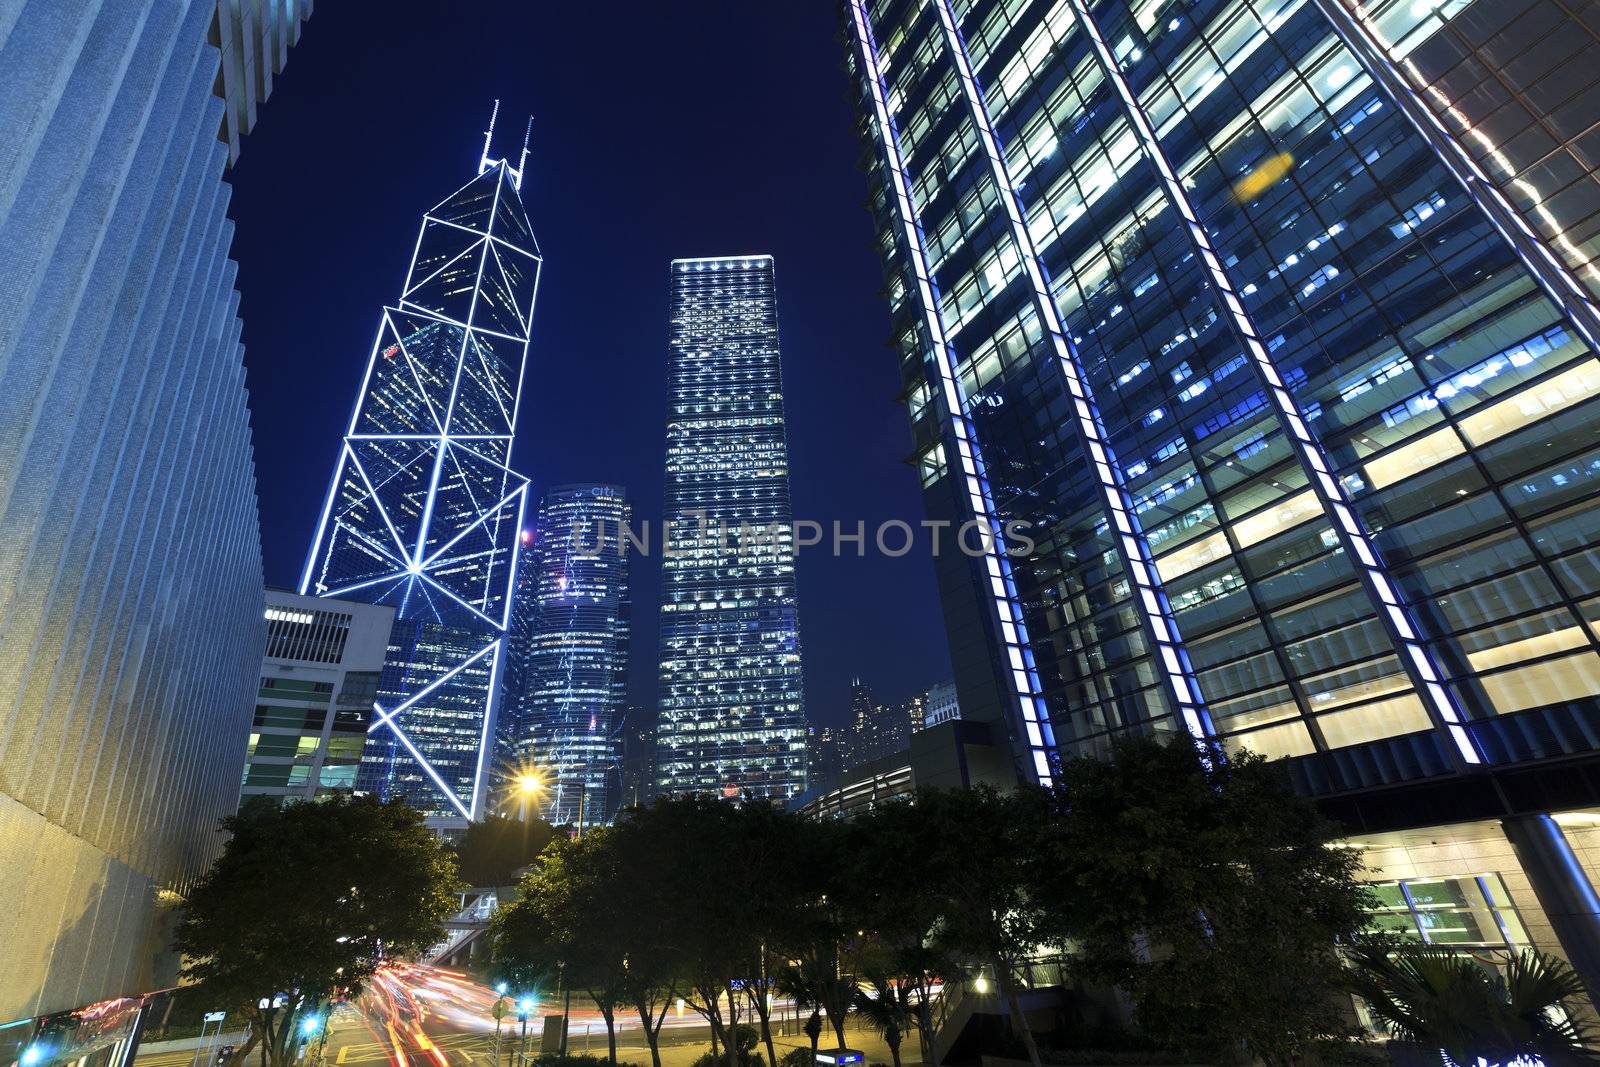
(130, 563)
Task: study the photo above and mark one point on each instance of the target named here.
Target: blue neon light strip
(412, 567)
(1552, 275)
(1002, 587)
(1417, 660)
(1133, 549)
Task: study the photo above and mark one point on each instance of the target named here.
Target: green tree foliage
(597, 913)
(306, 900)
(885, 1005)
(1207, 890)
(1441, 1000)
(564, 925)
(493, 849)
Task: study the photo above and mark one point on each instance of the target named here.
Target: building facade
(423, 513)
(571, 653)
(941, 704)
(319, 679)
(732, 716)
(130, 568)
(1273, 320)
(638, 757)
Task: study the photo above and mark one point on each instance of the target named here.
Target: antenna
(484, 163)
(522, 161)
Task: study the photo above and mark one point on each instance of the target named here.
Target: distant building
(914, 713)
(638, 757)
(511, 727)
(732, 716)
(951, 755)
(319, 678)
(572, 654)
(941, 704)
(878, 728)
(862, 744)
(829, 752)
(423, 512)
(130, 568)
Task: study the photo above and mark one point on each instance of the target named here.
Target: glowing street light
(310, 1025)
(500, 988)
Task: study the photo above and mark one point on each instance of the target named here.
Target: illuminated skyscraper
(423, 513)
(571, 653)
(732, 720)
(1273, 318)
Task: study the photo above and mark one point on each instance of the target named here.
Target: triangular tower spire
(486, 160)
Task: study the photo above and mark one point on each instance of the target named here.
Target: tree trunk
(1008, 993)
(611, 1035)
(652, 1033)
(241, 1053)
(763, 1012)
(894, 1047)
(814, 1031)
(925, 1027)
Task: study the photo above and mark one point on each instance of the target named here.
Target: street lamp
(527, 785)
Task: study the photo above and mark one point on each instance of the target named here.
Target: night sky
(660, 130)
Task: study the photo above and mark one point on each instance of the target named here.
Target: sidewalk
(683, 1052)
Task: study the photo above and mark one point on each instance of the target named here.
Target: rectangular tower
(319, 678)
(424, 511)
(570, 650)
(1274, 321)
(732, 719)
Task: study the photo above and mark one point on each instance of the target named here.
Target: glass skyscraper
(732, 719)
(570, 654)
(1273, 319)
(424, 512)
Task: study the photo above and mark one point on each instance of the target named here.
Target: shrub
(554, 1060)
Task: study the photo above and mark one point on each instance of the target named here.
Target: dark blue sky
(660, 130)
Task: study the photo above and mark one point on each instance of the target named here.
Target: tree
(780, 878)
(900, 903)
(307, 899)
(971, 850)
(886, 1008)
(494, 848)
(564, 919)
(1206, 889)
(1438, 999)
(654, 968)
(595, 914)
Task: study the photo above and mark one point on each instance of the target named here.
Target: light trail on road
(425, 1016)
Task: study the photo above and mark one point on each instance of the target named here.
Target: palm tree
(1440, 999)
(886, 1008)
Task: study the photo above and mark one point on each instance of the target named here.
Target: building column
(1563, 889)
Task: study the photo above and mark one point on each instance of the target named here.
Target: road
(413, 1015)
